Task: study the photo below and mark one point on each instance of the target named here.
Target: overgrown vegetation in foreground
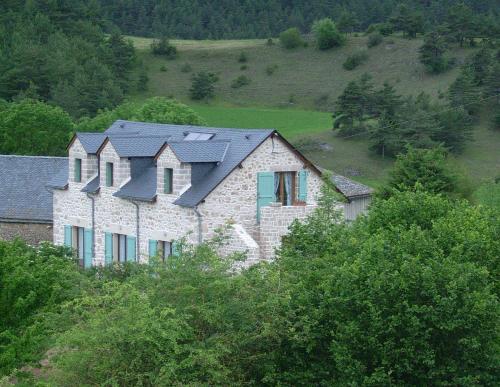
(405, 296)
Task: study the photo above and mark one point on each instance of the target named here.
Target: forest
(406, 295)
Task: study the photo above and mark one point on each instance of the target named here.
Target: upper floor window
(168, 181)
(78, 170)
(109, 174)
(284, 188)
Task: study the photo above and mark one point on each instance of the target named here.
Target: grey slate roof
(200, 151)
(23, 192)
(230, 147)
(135, 146)
(91, 141)
(351, 189)
(92, 186)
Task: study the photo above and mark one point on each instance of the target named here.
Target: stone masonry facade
(32, 233)
(233, 201)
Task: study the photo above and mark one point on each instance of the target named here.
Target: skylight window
(196, 136)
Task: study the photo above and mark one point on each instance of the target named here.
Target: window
(284, 188)
(119, 248)
(168, 180)
(81, 241)
(196, 136)
(164, 250)
(109, 174)
(78, 170)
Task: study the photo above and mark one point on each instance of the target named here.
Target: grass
(303, 86)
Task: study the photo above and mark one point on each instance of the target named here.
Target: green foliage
(242, 80)
(464, 93)
(186, 68)
(347, 22)
(326, 34)
(243, 58)
(32, 127)
(354, 60)
(432, 53)
(163, 68)
(374, 39)
(407, 20)
(424, 169)
(271, 69)
(291, 38)
(156, 109)
(164, 48)
(203, 85)
(488, 194)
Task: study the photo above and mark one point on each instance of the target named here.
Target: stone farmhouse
(139, 190)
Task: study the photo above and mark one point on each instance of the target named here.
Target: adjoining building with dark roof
(139, 190)
(359, 196)
(25, 201)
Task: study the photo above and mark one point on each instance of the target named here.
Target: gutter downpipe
(93, 223)
(200, 228)
(137, 230)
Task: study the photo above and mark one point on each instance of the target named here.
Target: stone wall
(274, 224)
(32, 233)
(89, 162)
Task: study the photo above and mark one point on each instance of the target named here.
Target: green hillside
(298, 97)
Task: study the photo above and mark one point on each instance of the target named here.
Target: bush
(203, 85)
(243, 67)
(327, 35)
(186, 68)
(163, 68)
(163, 47)
(243, 58)
(385, 29)
(355, 60)
(271, 69)
(291, 38)
(374, 39)
(242, 80)
(270, 42)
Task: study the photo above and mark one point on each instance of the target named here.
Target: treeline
(405, 296)
(58, 52)
(239, 19)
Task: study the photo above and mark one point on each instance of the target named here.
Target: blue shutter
(265, 190)
(131, 253)
(68, 236)
(303, 185)
(176, 249)
(153, 246)
(87, 248)
(108, 248)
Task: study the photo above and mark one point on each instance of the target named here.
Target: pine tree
(432, 53)
(463, 92)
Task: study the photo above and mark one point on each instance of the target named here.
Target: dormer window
(197, 136)
(168, 181)
(109, 174)
(78, 170)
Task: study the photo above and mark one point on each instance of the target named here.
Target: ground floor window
(163, 249)
(81, 241)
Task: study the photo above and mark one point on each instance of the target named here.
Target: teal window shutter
(87, 248)
(168, 180)
(108, 248)
(68, 236)
(109, 174)
(303, 185)
(176, 248)
(78, 170)
(265, 190)
(131, 253)
(153, 248)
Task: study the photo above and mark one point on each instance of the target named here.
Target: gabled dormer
(114, 168)
(83, 161)
(173, 176)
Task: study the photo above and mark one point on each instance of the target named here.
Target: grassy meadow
(297, 96)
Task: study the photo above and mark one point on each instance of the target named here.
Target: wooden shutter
(87, 248)
(265, 190)
(108, 248)
(68, 236)
(78, 170)
(131, 253)
(303, 185)
(153, 248)
(176, 248)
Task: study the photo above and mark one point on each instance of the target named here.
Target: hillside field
(299, 95)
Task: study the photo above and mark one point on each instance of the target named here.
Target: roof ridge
(192, 126)
(33, 157)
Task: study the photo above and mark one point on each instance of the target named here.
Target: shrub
(271, 69)
(242, 80)
(327, 35)
(203, 85)
(243, 67)
(355, 60)
(385, 29)
(270, 42)
(163, 68)
(243, 58)
(374, 39)
(163, 47)
(291, 38)
(186, 68)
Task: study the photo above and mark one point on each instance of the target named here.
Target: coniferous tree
(432, 53)
(464, 93)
